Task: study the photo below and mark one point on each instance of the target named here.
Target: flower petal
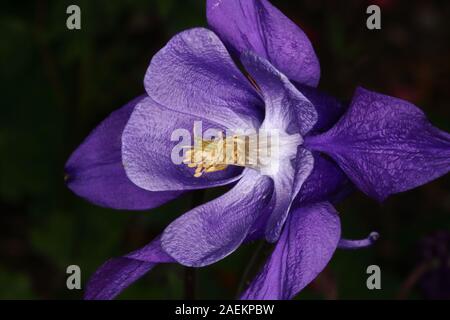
(256, 25)
(212, 231)
(95, 171)
(286, 107)
(306, 246)
(327, 182)
(147, 150)
(195, 74)
(287, 184)
(118, 273)
(328, 108)
(286, 110)
(359, 244)
(385, 145)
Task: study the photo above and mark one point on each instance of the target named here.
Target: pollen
(217, 154)
(262, 152)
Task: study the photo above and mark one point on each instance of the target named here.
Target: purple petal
(287, 184)
(95, 171)
(327, 182)
(118, 273)
(286, 108)
(385, 145)
(256, 25)
(195, 74)
(147, 150)
(328, 108)
(212, 231)
(305, 247)
(359, 244)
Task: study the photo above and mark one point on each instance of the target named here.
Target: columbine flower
(382, 144)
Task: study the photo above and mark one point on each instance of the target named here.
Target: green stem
(190, 276)
(249, 268)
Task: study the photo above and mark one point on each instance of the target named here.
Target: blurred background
(57, 85)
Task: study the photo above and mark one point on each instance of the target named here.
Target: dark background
(57, 85)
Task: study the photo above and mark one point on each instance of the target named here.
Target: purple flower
(379, 144)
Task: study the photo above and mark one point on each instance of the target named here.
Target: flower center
(259, 152)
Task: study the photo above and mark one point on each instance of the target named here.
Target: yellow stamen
(216, 155)
(261, 152)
